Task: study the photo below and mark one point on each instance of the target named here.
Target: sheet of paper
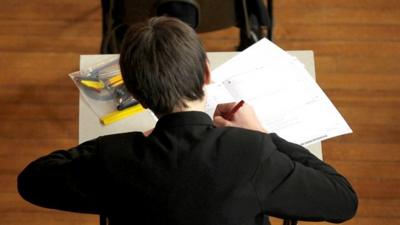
(285, 97)
(216, 93)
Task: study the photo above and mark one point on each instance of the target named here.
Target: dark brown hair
(163, 64)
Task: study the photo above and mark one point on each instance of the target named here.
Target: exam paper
(284, 96)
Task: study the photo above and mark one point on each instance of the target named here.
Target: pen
(229, 116)
(127, 102)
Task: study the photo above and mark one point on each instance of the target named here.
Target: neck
(198, 105)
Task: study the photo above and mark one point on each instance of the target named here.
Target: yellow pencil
(115, 79)
(118, 115)
(97, 85)
(117, 83)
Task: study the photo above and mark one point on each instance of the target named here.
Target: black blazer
(188, 172)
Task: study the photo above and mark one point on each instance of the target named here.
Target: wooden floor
(357, 52)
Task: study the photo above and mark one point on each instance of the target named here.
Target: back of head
(163, 64)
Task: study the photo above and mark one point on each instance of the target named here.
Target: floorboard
(357, 52)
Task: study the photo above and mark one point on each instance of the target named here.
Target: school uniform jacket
(188, 172)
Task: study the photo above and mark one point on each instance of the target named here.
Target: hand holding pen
(237, 115)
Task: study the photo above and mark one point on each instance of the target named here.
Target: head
(163, 64)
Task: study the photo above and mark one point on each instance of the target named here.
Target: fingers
(244, 117)
(223, 109)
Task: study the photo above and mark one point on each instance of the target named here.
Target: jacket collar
(184, 119)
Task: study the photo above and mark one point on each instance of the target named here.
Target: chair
(253, 17)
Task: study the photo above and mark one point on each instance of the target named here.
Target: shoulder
(116, 151)
(120, 138)
(119, 144)
(257, 145)
(241, 136)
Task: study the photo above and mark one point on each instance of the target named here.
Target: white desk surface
(90, 127)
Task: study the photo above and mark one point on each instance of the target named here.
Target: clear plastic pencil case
(103, 88)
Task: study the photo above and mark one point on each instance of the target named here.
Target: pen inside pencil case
(122, 96)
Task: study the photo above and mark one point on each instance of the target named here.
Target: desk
(90, 127)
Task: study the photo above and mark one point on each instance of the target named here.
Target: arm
(66, 180)
(292, 183)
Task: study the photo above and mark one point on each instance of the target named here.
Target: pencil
(229, 116)
(118, 115)
(96, 85)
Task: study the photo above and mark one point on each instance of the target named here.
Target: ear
(207, 74)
